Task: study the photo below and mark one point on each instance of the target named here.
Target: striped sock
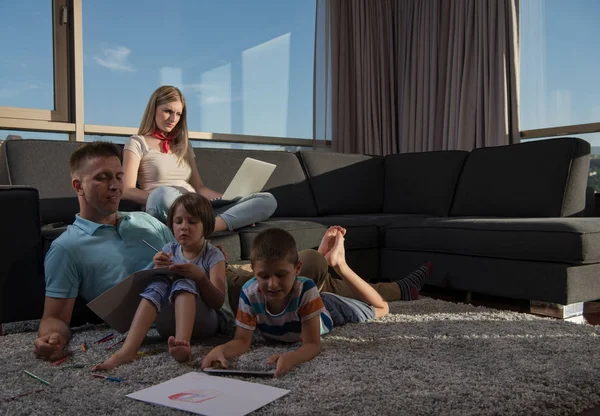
(414, 282)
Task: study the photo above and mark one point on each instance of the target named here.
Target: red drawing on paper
(195, 396)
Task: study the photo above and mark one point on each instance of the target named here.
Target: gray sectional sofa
(505, 221)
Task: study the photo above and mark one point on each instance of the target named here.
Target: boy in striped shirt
(286, 307)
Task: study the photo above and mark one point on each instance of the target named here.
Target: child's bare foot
(116, 360)
(328, 240)
(180, 349)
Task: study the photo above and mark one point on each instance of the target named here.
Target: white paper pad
(210, 395)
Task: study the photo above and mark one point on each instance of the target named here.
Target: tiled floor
(591, 312)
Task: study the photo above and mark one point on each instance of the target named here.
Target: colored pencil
(60, 361)
(72, 366)
(37, 378)
(118, 380)
(151, 246)
(106, 338)
(115, 344)
(18, 396)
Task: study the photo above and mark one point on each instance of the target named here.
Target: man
(100, 249)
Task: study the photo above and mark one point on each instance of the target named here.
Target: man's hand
(283, 361)
(50, 346)
(215, 355)
(162, 259)
(189, 271)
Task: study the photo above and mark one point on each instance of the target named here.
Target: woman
(161, 160)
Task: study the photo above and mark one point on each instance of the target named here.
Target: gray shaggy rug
(427, 357)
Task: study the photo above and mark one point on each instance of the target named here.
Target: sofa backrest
(44, 165)
(345, 183)
(545, 178)
(288, 183)
(422, 183)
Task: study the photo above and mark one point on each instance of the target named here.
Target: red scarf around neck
(165, 141)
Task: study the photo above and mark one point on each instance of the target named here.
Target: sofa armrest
(20, 225)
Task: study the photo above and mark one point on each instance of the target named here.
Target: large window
(26, 70)
(560, 94)
(245, 67)
(33, 63)
(559, 63)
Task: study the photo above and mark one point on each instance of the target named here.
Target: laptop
(250, 178)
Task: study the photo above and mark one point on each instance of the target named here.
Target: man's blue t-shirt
(90, 258)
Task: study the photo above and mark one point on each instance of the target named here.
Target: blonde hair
(164, 95)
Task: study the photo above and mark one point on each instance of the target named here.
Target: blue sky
(246, 66)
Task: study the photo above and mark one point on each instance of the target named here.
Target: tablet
(238, 372)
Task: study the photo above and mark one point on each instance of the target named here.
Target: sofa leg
(556, 310)
(468, 297)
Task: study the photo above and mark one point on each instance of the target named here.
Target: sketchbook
(118, 304)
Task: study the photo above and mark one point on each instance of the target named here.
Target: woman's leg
(248, 210)
(160, 200)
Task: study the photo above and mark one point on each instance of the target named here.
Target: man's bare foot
(328, 240)
(116, 360)
(180, 349)
(337, 255)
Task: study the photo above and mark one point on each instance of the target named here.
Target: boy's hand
(328, 240)
(189, 271)
(284, 363)
(162, 259)
(216, 354)
(50, 346)
(337, 255)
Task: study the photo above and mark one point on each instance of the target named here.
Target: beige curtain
(416, 75)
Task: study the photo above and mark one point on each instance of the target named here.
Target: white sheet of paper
(118, 304)
(210, 395)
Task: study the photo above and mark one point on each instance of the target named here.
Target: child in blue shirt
(201, 267)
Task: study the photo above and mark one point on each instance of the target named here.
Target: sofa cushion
(422, 183)
(306, 233)
(544, 178)
(363, 231)
(345, 183)
(44, 164)
(288, 184)
(230, 241)
(563, 240)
